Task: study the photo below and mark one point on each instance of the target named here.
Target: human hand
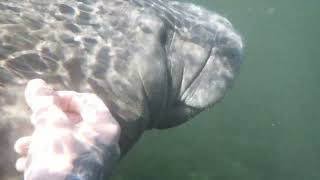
(75, 135)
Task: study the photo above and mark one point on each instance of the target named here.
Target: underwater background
(268, 126)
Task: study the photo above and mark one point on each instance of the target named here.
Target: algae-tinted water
(268, 126)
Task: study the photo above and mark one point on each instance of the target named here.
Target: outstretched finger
(55, 117)
(89, 106)
(39, 94)
(21, 164)
(47, 107)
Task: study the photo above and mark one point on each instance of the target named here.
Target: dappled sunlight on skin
(67, 125)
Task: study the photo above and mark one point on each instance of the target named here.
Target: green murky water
(268, 126)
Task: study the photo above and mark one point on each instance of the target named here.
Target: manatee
(154, 63)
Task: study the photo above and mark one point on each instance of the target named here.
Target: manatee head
(154, 63)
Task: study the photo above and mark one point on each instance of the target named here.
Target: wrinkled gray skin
(156, 64)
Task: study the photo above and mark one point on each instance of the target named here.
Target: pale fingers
(75, 134)
(55, 117)
(21, 164)
(38, 94)
(97, 122)
(89, 106)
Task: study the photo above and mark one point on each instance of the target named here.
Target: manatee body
(155, 63)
